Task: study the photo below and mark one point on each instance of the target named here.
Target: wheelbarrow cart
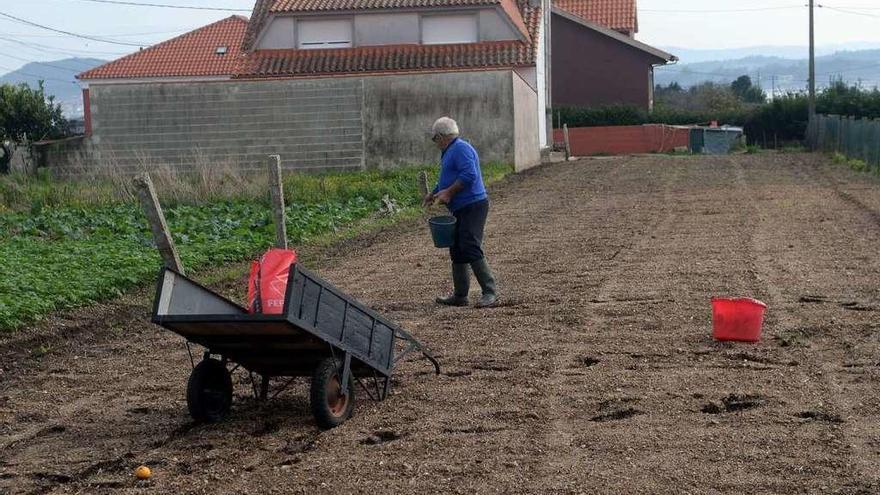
(321, 333)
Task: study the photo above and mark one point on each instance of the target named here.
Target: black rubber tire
(325, 387)
(209, 391)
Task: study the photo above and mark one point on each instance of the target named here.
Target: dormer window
(221, 50)
(323, 33)
(443, 29)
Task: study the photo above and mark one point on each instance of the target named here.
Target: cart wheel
(329, 406)
(209, 391)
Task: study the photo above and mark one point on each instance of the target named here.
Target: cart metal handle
(414, 345)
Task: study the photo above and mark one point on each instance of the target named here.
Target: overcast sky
(661, 22)
(741, 23)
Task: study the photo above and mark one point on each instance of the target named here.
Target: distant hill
(697, 55)
(59, 80)
(860, 66)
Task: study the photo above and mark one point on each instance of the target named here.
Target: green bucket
(442, 230)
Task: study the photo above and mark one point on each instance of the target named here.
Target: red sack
(267, 283)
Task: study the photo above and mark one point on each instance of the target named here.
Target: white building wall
(386, 29)
(279, 34)
(455, 28)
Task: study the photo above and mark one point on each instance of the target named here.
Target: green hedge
(779, 121)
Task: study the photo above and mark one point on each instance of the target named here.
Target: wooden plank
(161, 235)
(567, 142)
(276, 186)
(423, 187)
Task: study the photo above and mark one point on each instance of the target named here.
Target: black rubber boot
(461, 282)
(487, 283)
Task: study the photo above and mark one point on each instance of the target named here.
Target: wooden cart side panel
(310, 298)
(331, 315)
(294, 295)
(383, 344)
(358, 326)
(338, 318)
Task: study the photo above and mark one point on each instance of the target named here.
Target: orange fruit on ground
(143, 473)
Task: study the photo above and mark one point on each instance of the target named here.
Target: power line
(836, 9)
(69, 51)
(76, 35)
(851, 7)
(167, 6)
(28, 35)
(720, 11)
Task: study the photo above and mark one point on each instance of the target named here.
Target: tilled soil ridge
(596, 374)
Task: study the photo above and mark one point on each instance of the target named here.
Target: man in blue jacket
(461, 189)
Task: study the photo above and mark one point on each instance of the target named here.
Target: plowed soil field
(597, 373)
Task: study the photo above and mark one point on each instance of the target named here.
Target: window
(323, 33)
(439, 29)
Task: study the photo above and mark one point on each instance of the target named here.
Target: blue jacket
(459, 161)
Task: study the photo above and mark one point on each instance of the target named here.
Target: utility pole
(812, 105)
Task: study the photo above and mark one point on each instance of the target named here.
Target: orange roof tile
(371, 59)
(620, 15)
(325, 5)
(190, 54)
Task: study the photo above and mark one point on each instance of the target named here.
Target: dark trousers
(469, 225)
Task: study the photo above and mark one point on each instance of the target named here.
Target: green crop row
(58, 257)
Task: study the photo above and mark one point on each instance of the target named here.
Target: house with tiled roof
(210, 53)
(328, 84)
(596, 60)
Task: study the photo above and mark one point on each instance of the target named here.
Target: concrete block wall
(311, 124)
(317, 124)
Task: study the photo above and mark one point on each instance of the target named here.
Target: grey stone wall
(317, 124)
(399, 111)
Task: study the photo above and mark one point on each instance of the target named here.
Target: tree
(28, 114)
(746, 91)
(665, 94)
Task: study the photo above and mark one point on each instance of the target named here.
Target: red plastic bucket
(737, 319)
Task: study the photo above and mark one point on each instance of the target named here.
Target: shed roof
(191, 54)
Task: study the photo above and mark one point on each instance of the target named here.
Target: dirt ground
(597, 374)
